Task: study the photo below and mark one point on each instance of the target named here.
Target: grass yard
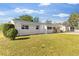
(40, 45)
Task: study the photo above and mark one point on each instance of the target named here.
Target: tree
(36, 19)
(73, 20)
(26, 18)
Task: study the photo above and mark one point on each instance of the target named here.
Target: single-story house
(27, 28)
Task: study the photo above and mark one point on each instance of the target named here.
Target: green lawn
(40, 45)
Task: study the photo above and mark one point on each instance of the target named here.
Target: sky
(56, 12)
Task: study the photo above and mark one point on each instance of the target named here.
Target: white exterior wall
(32, 28)
(68, 28)
(63, 28)
(49, 30)
(76, 30)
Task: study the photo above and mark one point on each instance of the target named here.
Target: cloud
(5, 19)
(10, 18)
(28, 11)
(41, 12)
(44, 4)
(62, 15)
(2, 13)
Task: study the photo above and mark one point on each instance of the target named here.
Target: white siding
(32, 27)
(63, 28)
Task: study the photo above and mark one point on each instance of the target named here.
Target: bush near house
(6, 27)
(9, 31)
(12, 33)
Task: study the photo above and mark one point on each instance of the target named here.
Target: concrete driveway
(71, 33)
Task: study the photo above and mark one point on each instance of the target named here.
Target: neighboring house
(27, 28)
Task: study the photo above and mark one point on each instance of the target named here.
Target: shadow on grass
(22, 38)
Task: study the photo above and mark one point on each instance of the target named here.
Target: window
(37, 27)
(25, 27)
(49, 28)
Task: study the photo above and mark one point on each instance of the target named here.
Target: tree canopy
(25, 18)
(74, 19)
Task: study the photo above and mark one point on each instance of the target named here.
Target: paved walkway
(71, 33)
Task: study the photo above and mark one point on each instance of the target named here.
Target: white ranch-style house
(27, 28)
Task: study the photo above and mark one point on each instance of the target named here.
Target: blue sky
(56, 12)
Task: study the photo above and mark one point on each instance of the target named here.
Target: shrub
(12, 33)
(6, 27)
